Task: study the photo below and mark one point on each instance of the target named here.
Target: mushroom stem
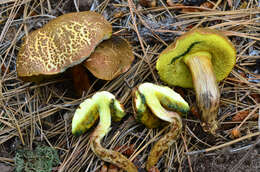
(165, 142)
(105, 106)
(102, 129)
(80, 78)
(206, 88)
(152, 100)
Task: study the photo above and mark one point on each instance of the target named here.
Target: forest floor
(36, 117)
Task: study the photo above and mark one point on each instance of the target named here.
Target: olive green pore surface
(143, 114)
(116, 110)
(176, 72)
(153, 104)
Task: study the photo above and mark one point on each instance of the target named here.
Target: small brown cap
(110, 59)
(63, 42)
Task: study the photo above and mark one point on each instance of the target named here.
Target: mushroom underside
(200, 58)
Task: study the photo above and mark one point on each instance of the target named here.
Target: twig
(131, 7)
(223, 145)
(188, 156)
(248, 116)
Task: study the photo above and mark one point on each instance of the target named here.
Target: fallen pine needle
(224, 145)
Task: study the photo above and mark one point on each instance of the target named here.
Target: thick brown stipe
(164, 143)
(111, 156)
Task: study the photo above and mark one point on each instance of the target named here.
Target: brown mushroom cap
(110, 59)
(174, 71)
(63, 42)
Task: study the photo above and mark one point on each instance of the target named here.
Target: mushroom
(152, 101)
(111, 58)
(200, 58)
(66, 42)
(103, 105)
(63, 42)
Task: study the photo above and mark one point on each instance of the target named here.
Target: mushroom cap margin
(110, 59)
(218, 45)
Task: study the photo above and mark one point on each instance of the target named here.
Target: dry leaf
(190, 10)
(126, 150)
(148, 3)
(112, 168)
(240, 116)
(256, 97)
(154, 169)
(207, 5)
(195, 112)
(103, 168)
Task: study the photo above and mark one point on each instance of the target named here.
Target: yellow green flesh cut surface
(89, 111)
(103, 105)
(159, 103)
(153, 103)
(174, 71)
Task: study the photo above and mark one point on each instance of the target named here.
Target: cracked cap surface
(61, 43)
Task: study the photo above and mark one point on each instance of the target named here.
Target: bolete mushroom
(62, 43)
(103, 105)
(152, 101)
(199, 58)
(111, 58)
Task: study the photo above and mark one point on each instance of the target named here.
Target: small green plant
(42, 159)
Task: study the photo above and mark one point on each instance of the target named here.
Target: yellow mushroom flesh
(105, 106)
(164, 104)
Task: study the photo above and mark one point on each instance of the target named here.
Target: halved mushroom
(152, 101)
(62, 43)
(199, 59)
(103, 105)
